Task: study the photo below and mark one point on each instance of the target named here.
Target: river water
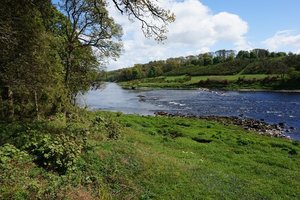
(272, 107)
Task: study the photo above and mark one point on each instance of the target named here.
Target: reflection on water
(112, 97)
(271, 107)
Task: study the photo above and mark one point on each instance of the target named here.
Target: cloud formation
(196, 30)
(284, 40)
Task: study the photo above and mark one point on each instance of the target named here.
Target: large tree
(88, 24)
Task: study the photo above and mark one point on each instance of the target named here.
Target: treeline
(44, 61)
(222, 62)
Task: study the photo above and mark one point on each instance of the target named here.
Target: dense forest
(41, 60)
(50, 53)
(221, 62)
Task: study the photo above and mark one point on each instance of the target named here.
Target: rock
(281, 124)
(259, 126)
(161, 113)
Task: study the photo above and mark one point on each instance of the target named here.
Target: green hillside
(223, 69)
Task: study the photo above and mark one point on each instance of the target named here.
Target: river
(272, 107)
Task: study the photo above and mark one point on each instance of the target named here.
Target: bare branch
(154, 20)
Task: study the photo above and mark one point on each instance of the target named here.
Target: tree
(293, 74)
(217, 60)
(85, 68)
(253, 55)
(281, 67)
(137, 72)
(221, 54)
(172, 64)
(260, 53)
(29, 73)
(207, 59)
(87, 24)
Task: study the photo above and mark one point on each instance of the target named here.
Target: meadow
(144, 157)
(227, 82)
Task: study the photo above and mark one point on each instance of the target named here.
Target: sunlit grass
(158, 158)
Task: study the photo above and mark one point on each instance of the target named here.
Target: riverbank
(258, 126)
(144, 157)
(145, 88)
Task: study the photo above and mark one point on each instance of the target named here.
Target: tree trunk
(11, 111)
(1, 106)
(36, 105)
(68, 65)
(7, 98)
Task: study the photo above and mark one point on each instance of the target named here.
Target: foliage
(221, 62)
(8, 153)
(228, 82)
(30, 69)
(55, 153)
(52, 147)
(50, 53)
(111, 126)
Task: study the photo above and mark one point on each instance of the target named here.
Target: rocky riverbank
(259, 126)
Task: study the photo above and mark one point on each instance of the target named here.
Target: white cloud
(283, 41)
(195, 30)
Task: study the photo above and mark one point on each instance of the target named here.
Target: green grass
(162, 158)
(223, 77)
(192, 81)
(230, 77)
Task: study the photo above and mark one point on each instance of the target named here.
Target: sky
(209, 25)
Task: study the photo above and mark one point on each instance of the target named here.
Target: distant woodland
(221, 62)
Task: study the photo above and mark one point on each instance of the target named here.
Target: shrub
(52, 146)
(243, 142)
(55, 153)
(225, 82)
(111, 127)
(9, 152)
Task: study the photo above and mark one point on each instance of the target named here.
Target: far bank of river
(271, 107)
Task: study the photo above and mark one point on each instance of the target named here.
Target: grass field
(196, 79)
(159, 158)
(192, 81)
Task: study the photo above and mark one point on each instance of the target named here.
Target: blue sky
(264, 17)
(210, 25)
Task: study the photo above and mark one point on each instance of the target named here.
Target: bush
(293, 74)
(111, 127)
(55, 153)
(52, 146)
(9, 152)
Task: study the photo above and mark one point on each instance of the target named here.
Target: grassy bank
(229, 82)
(105, 155)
